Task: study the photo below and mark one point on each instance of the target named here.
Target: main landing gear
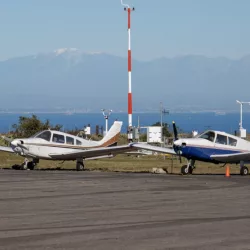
(79, 165)
(188, 169)
(27, 165)
(243, 169)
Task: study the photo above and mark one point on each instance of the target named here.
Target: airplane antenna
(106, 117)
(130, 109)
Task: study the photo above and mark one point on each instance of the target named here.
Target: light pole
(241, 104)
(130, 109)
(163, 111)
(106, 117)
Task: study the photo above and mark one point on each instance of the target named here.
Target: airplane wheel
(16, 167)
(244, 171)
(190, 170)
(185, 170)
(31, 165)
(79, 166)
(24, 167)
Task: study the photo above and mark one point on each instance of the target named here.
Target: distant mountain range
(69, 78)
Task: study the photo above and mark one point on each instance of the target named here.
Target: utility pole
(106, 117)
(130, 108)
(163, 111)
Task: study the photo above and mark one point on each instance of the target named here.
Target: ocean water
(185, 121)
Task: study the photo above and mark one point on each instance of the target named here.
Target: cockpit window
(208, 136)
(69, 140)
(36, 134)
(46, 135)
(58, 138)
(232, 141)
(78, 142)
(221, 139)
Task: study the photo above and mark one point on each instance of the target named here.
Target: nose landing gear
(27, 165)
(188, 169)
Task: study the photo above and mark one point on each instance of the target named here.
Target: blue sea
(185, 121)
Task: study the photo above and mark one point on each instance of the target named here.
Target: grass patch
(122, 163)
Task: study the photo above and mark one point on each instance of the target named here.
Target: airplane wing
(6, 149)
(89, 153)
(232, 158)
(154, 148)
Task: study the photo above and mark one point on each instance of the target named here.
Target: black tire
(16, 167)
(79, 166)
(31, 165)
(190, 170)
(185, 170)
(244, 171)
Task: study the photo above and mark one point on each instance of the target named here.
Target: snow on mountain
(64, 50)
(70, 77)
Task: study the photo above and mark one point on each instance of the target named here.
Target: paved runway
(91, 210)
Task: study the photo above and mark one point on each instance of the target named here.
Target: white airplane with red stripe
(56, 145)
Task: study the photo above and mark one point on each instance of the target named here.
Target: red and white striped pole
(130, 107)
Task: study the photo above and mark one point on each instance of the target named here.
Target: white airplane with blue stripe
(212, 146)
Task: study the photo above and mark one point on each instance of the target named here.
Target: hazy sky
(159, 27)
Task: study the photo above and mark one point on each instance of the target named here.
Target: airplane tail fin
(112, 136)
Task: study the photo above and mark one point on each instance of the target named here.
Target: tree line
(28, 126)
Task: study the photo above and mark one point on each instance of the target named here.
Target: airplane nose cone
(178, 143)
(14, 143)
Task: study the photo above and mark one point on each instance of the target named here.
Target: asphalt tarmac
(93, 210)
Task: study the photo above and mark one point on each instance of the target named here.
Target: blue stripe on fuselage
(203, 154)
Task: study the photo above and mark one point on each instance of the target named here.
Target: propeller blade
(175, 131)
(6, 138)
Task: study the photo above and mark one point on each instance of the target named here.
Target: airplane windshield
(36, 134)
(210, 135)
(46, 135)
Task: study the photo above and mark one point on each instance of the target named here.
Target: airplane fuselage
(201, 149)
(55, 143)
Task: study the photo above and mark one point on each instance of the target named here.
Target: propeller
(7, 139)
(175, 132)
(15, 143)
(175, 139)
